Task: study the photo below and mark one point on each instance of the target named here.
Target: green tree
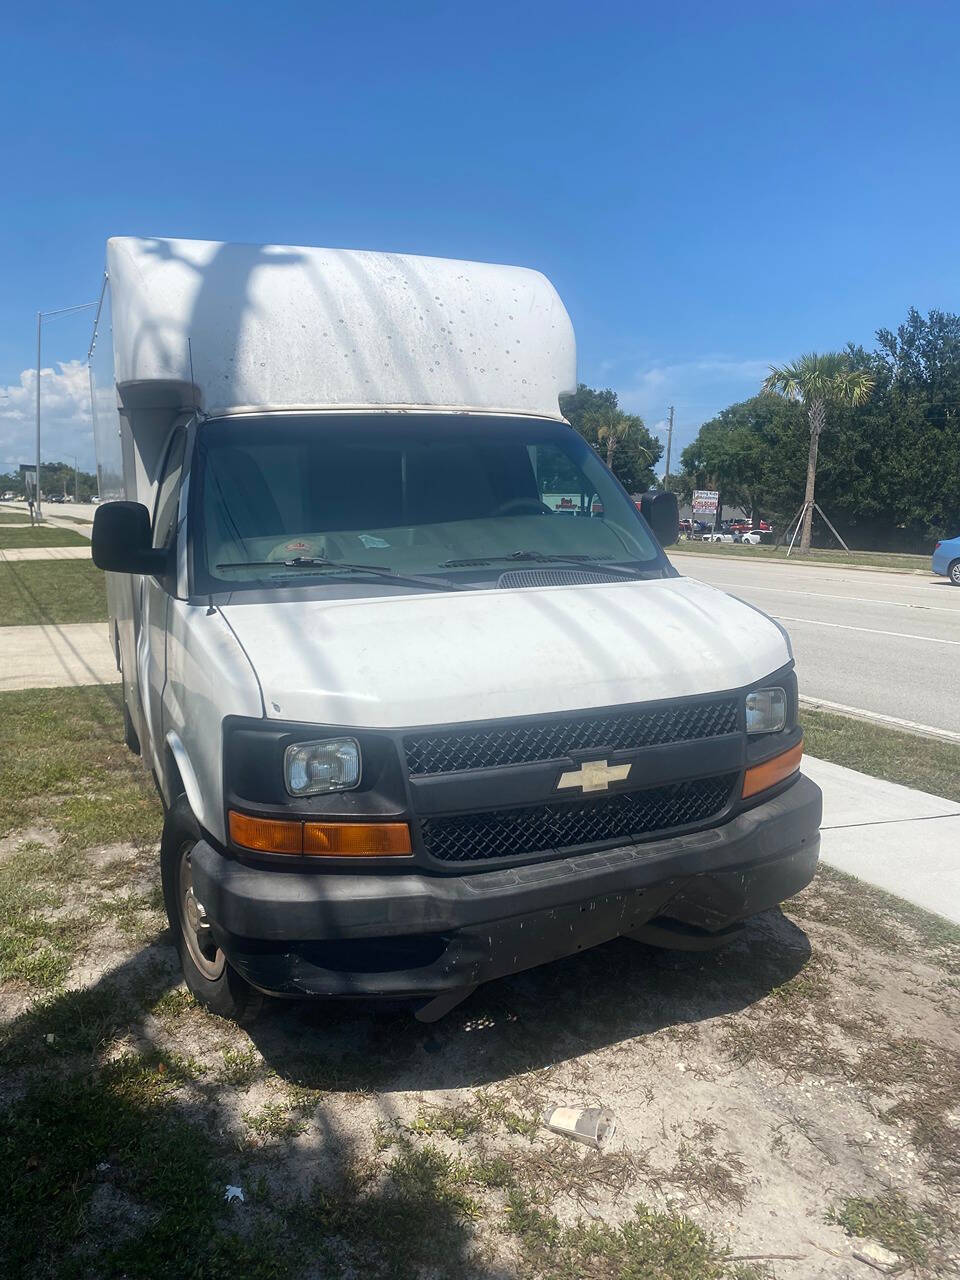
(816, 381)
(753, 453)
(634, 452)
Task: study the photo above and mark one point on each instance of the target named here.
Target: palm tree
(613, 427)
(816, 381)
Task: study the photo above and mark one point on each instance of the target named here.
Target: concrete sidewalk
(901, 840)
(47, 657)
(44, 553)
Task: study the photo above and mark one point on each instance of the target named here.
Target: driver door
(155, 596)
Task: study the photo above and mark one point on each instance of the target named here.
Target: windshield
(363, 498)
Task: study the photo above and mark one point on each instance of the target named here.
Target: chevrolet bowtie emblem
(595, 775)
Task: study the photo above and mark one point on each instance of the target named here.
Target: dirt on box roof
(782, 1106)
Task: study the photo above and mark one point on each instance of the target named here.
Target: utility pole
(666, 474)
(76, 479)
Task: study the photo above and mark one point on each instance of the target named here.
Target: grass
(889, 560)
(106, 1178)
(63, 764)
(924, 763)
(13, 517)
(37, 942)
(51, 591)
(44, 536)
(274, 1120)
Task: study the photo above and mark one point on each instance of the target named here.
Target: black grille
(507, 833)
(555, 738)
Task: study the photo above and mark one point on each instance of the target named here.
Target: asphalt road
(887, 643)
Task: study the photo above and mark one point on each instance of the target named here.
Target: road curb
(886, 722)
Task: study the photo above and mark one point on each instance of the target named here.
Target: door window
(168, 497)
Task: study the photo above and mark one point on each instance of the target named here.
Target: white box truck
(413, 726)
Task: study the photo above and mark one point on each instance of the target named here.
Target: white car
(752, 538)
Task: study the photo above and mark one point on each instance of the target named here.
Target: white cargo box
(231, 328)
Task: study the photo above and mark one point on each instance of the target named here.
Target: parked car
(718, 537)
(946, 559)
(751, 537)
(413, 729)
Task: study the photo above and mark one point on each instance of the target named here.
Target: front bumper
(408, 935)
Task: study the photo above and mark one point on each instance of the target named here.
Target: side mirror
(121, 540)
(661, 513)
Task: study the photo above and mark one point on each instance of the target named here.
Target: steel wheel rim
(955, 573)
(204, 952)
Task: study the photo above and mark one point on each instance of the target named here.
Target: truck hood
(408, 660)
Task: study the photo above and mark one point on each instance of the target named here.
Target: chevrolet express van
(425, 700)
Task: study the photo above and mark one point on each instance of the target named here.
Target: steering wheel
(523, 506)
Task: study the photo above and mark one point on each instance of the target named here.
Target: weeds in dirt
(648, 1244)
(240, 1067)
(714, 1177)
(878, 919)
(925, 1081)
(458, 1122)
(274, 1120)
(890, 1221)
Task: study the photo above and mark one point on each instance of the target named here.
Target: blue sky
(711, 187)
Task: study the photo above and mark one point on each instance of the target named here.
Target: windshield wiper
(341, 566)
(572, 561)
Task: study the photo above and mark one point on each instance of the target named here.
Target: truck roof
(234, 327)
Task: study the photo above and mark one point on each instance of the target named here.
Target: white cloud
(66, 429)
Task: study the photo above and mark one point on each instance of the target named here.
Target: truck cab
(425, 700)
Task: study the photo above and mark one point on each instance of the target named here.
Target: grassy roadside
(51, 591)
(906, 758)
(890, 561)
(13, 517)
(43, 536)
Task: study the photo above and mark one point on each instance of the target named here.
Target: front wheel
(953, 573)
(205, 967)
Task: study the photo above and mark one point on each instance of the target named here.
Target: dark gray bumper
(407, 934)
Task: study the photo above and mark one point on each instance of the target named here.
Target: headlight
(312, 768)
(766, 710)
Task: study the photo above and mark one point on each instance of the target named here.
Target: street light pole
(37, 479)
(41, 316)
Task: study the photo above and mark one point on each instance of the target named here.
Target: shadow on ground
(530, 1021)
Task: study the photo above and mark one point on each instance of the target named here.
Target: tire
(205, 968)
(953, 573)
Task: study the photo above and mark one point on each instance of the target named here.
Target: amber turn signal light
(357, 839)
(762, 776)
(321, 839)
(266, 835)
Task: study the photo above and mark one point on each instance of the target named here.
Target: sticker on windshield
(291, 548)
